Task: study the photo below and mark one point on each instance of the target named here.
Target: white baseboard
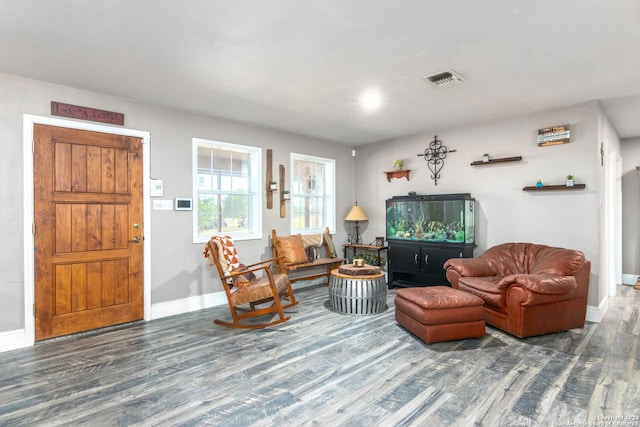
(596, 314)
(12, 340)
(186, 305)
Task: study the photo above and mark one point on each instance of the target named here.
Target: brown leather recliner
(528, 289)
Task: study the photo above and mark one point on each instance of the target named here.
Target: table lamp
(356, 214)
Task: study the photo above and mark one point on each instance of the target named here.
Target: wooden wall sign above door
(86, 113)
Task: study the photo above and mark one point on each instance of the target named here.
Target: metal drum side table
(350, 293)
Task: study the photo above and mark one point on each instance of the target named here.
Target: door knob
(135, 239)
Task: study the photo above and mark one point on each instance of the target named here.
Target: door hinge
(33, 146)
(33, 228)
(34, 310)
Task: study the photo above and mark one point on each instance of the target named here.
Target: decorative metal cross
(434, 155)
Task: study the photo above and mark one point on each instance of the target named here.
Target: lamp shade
(356, 214)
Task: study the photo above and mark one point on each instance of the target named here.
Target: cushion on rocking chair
(259, 289)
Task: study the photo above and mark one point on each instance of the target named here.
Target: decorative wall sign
(434, 155)
(86, 113)
(553, 135)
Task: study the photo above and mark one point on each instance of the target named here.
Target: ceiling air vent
(445, 78)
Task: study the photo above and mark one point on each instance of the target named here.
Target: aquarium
(447, 218)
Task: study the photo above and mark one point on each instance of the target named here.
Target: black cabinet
(421, 264)
(423, 232)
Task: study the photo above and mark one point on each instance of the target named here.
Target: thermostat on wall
(183, 204)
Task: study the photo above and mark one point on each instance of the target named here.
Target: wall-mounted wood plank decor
(283, 206)
(269, 178)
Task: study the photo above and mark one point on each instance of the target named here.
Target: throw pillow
(292, 249)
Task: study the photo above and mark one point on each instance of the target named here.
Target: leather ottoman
(440, 313)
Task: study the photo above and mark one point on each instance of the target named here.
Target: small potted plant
(273, 186)
(286, 195)
(485, 158)
(398, 164)
(569, 180)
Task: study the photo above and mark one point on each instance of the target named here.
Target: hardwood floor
(325, 369)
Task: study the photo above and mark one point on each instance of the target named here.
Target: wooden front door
(88, 230)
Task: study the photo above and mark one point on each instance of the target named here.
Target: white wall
(504, 211)
(178, 270)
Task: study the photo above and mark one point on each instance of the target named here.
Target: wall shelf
(554, 187)
(503, 160)
(398, 174)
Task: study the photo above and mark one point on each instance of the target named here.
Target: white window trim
(329, 186)
(256, 189)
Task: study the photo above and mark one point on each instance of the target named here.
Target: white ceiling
(301, 65)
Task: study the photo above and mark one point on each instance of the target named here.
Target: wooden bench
(299, 268)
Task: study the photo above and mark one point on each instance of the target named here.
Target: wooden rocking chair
(244, 289)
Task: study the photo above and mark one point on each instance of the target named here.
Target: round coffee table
(357, 290)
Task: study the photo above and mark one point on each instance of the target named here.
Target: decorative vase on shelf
(485, 158)
(273, 186)
(539, 184)
(398, 164)
(569, 180)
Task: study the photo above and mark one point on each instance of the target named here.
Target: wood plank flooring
(325, 369)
